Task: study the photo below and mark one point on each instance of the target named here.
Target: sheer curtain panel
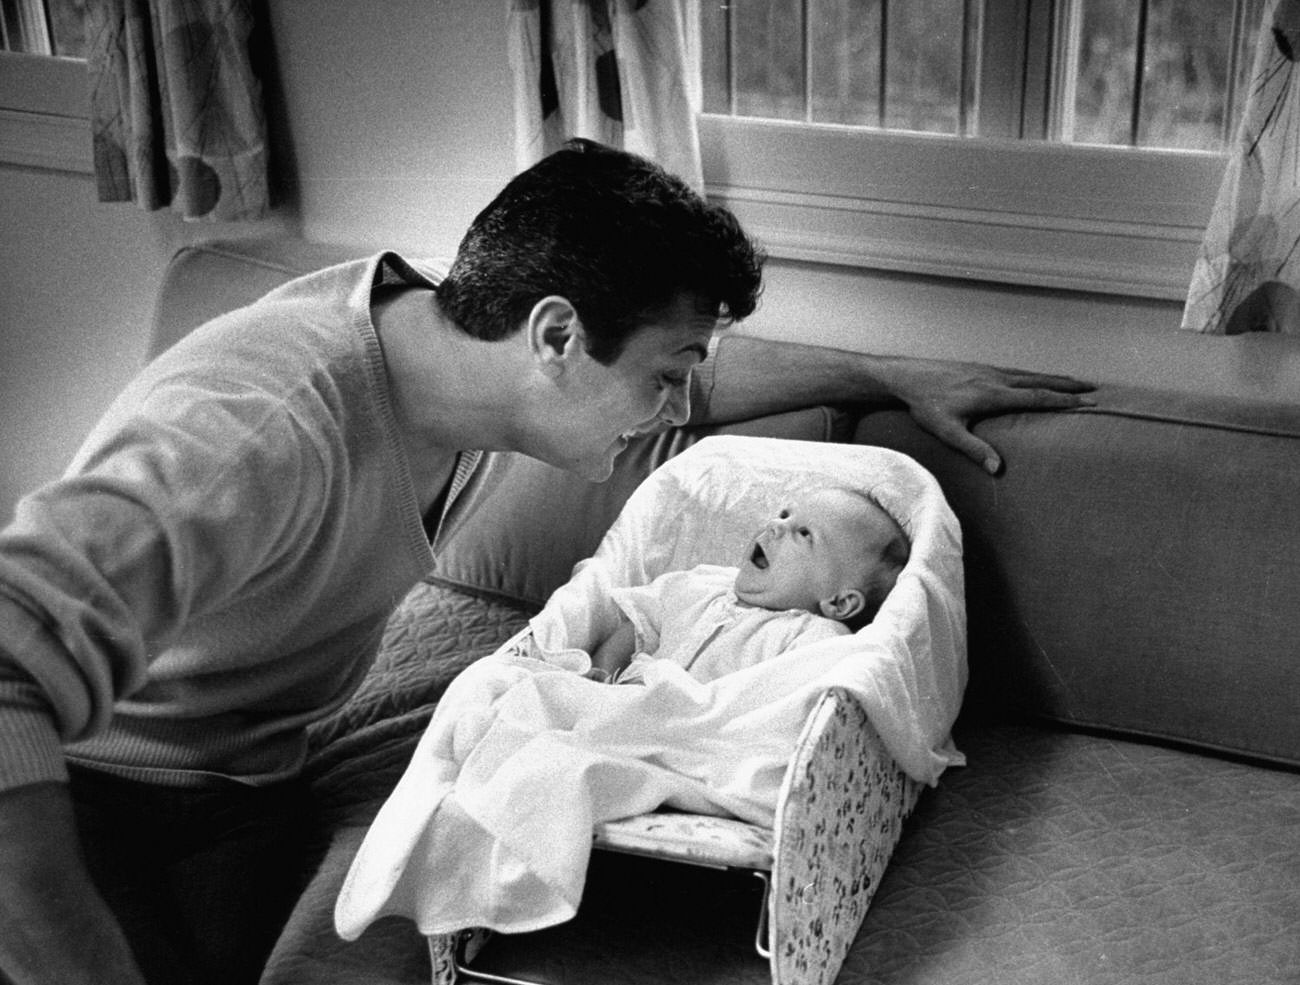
(176, 106)
(616, 71)
(1247, 275)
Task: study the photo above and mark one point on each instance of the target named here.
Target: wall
(393, 126)
(399, 114)
(889, 313)
(76, 287)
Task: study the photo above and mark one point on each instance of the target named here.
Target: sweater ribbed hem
(30, 751)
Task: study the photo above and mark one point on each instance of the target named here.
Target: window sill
(44, 113)
(1110, 220)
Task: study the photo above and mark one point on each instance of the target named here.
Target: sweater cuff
(30, 750)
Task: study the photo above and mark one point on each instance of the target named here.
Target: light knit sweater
(215, 569)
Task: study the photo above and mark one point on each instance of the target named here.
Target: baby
(819, 569)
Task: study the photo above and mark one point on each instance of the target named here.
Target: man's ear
(555, 333)
(843, 605)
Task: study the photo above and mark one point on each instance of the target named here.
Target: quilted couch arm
(839, 815)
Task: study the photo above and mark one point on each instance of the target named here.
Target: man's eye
(805, 532)
(783, 515)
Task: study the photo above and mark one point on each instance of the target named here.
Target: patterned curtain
(176, 106)
(1247, 275)
(616, 71)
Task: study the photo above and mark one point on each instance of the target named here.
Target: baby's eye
(805, 532)
(783, 515)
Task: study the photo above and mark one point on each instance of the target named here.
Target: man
(215, 570)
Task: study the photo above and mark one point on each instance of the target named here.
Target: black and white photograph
(650, 492)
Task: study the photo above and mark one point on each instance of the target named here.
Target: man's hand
(947, 398)
(754, 376)
(54, 927)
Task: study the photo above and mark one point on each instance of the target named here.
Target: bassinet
(875, 711)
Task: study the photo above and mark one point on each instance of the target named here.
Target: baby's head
(836, 552)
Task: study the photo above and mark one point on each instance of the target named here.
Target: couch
(1130, 811)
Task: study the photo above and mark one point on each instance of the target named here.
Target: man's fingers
(1024, 379)
(1040, 399)
(955, 434)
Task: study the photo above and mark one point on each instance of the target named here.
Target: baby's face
(813, 550)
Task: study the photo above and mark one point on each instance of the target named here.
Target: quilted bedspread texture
(359, 752)
(357, 756)
(1065, 858)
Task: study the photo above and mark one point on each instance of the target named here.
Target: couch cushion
(1066, 858)
(1136, 566)
(208, 279)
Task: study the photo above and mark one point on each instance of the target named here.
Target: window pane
(769, 63)
(1103, 106)
(923, 59)
(67, 27)
(23, 26)
(1188, 60)
(1194, 61)
(715, 58)
(44, 27)
(1155, 73)
(845, 38)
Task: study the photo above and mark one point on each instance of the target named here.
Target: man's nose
(677, 408)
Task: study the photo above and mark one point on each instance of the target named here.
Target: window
(44, 104)
(1153, 74)
(1075, 143)
(44, 27)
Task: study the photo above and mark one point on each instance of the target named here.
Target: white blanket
(491, 824)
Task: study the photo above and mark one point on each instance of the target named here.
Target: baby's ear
(844, 605)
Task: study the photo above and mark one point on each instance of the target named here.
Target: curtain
(617, 71)
(176, 106)
(1247, 274)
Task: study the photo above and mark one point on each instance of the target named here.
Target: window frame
(45, 113)
(1008, 206)
(1102, 219)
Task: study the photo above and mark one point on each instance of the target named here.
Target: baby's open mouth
(758, 558)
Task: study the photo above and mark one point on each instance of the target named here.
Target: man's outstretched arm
(754, 376)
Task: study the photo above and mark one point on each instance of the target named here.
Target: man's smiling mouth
(639, 432)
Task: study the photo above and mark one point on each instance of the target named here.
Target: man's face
(645, 389)
(813, 550)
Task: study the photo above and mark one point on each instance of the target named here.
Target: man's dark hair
(616, 235)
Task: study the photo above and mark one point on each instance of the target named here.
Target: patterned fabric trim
(442, 959)
(694, 838)
(445, 950)
(840, 815)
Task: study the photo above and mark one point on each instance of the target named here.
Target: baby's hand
(634, 672)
